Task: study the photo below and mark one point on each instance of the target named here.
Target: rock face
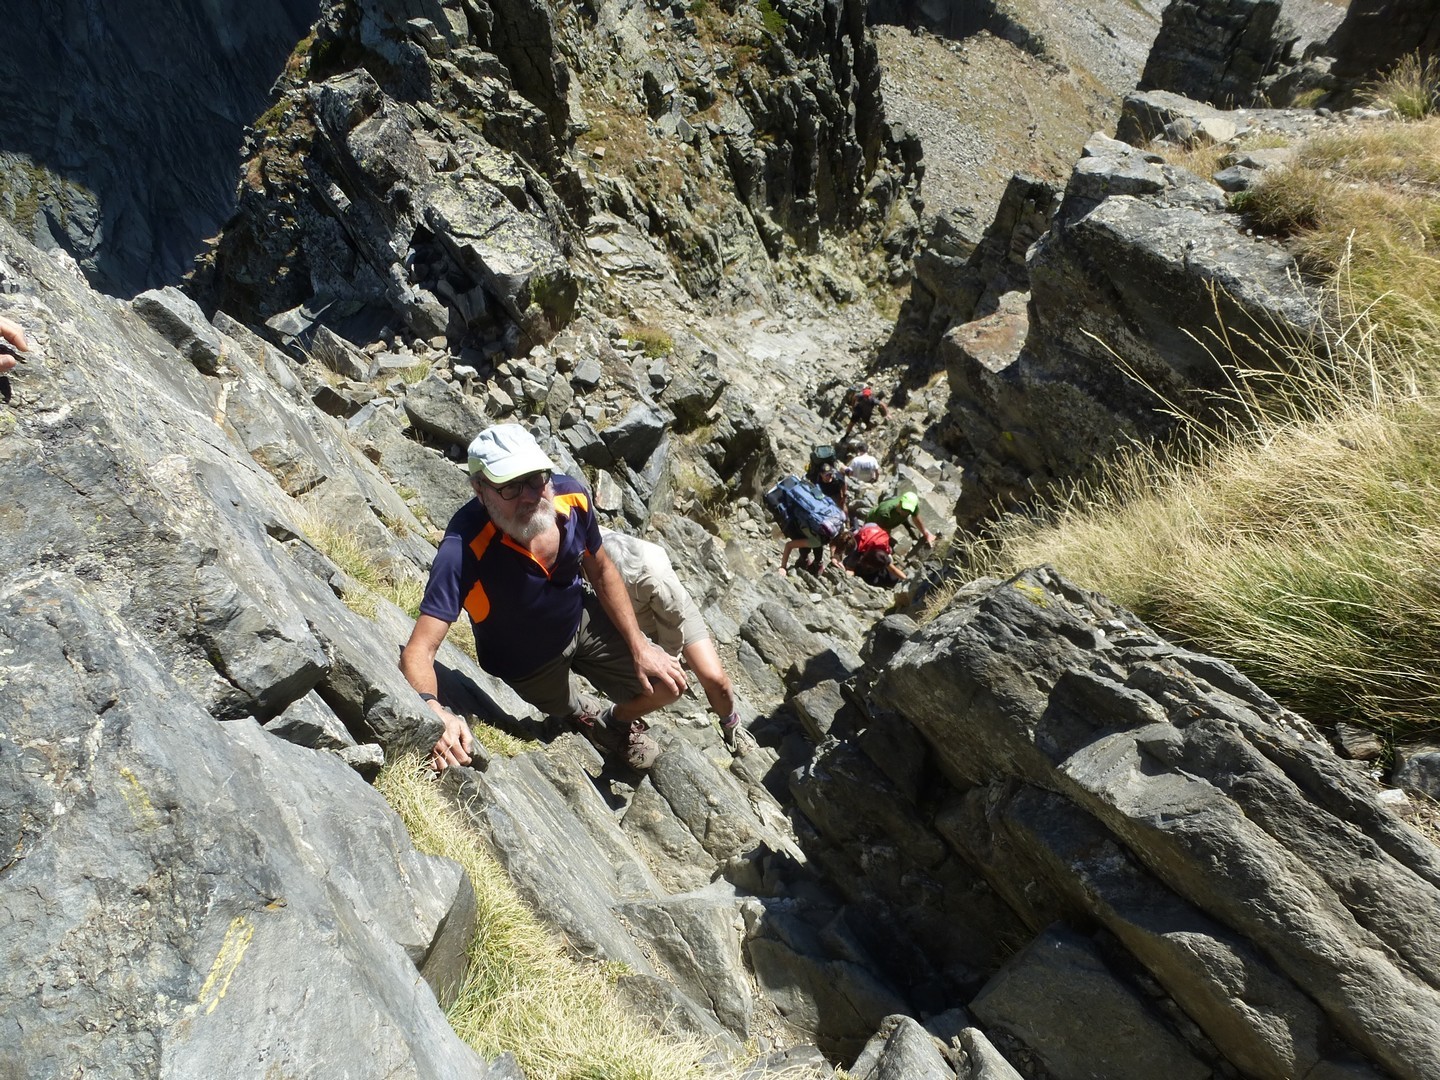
(1138, 291)
(1377, 33)
(120, 127)
(421, 174)
(1233, 53)
(1103, 779)
(1217, 51)
(177, 886)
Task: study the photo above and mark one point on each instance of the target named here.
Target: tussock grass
(652, 339)
(345, 548)
(1200, 158)
(1367, 201)
(1302, 543)
(1411, 87)
(561, 1018)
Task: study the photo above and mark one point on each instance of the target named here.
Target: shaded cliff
(122, 124)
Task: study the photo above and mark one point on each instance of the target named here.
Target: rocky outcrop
(1217, 51)
(120, 127)
(1198, 867)
(957, 280)
(421, 175)
(1375, 34)
(1140, 293)
(1269, 52)
(177, 885)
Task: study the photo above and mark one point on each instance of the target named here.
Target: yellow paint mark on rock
(138, 802)
(232, 951)
(1036, 595)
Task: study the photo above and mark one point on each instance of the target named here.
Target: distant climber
(902, 509)
(862, 412)
(669, 617)
(515, 559)
(810, 520)
(870, 556)
(829, 477)
(864, 466)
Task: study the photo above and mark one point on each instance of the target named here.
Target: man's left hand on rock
(454, 745)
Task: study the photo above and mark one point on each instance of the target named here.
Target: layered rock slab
(1258, 847)
(177, 896)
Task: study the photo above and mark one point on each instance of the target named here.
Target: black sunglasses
(512, 490)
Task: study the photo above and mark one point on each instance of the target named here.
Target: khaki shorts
(597, 652)
(664, 609)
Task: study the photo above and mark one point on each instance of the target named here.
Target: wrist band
(428, 697)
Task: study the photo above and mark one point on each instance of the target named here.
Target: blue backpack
(803, 511)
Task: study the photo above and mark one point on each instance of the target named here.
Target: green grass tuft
(774, 22)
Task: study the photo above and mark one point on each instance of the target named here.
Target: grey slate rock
(308, 721)
(217, 846)
(1059, 998)
(1417, 768)
(820, 982)
(341, 357)
(637, 435)
(587, 373)
(981, 1060)
(179, 320)
(342, 400)
(1317, 870)
(439, 409)
(1237, 178)
(901, 1050)
(693, 936)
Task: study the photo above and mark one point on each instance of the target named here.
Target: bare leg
(704, 661)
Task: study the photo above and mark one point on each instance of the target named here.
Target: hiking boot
(616, 742)
(640, 749)
(739, 741)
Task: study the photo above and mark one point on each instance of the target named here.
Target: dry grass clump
(1303, 544)
(345, 548)
(1309, 559)
(1365, 199)
(1411, 87)
(1201, 158)
(561, 1018)
(655, 341)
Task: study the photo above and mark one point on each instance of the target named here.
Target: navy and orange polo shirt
(522, 616)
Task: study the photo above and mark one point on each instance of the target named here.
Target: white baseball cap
(505, 451)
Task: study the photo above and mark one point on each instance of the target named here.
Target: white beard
(521, 524)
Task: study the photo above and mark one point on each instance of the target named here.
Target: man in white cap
(513, 559)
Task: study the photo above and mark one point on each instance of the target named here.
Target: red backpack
(870, 538)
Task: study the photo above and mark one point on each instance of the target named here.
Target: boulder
(341, 357)
(1217, 51)
(1059, 998)
(444, 413)
(901, 1050)
(179, 320)
(637, 435)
